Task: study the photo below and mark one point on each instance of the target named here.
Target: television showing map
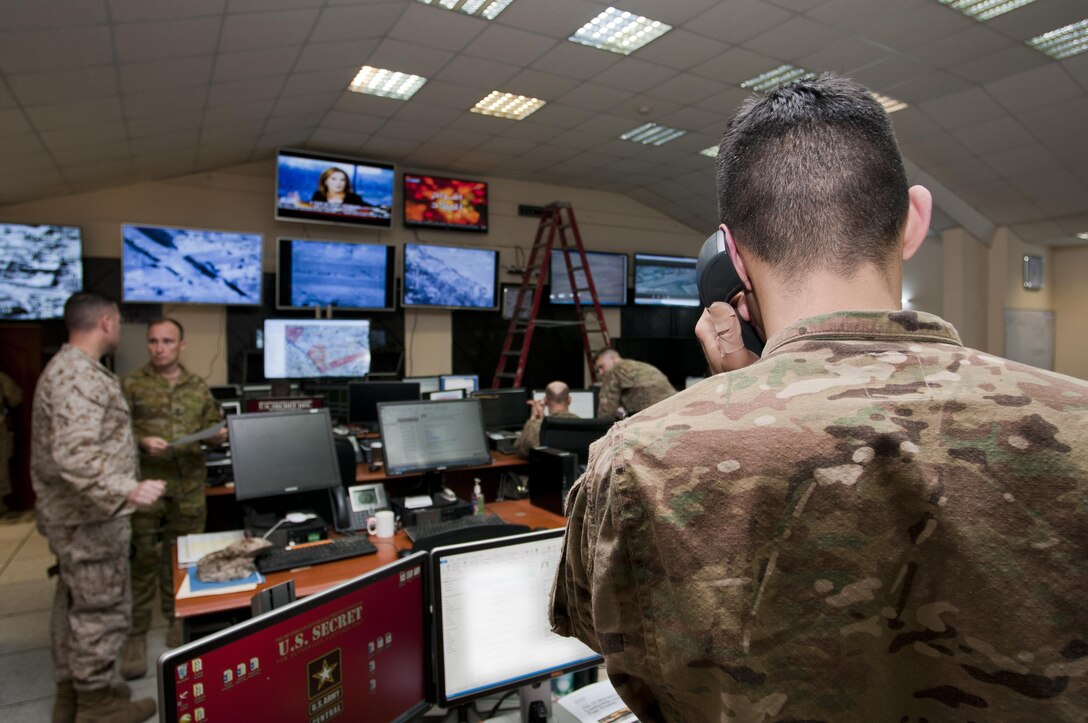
(345, 275)
(316, 348)
(40, 267)
(448, 277)
(609, 278)
(665, 280)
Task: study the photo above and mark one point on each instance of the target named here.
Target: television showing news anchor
(333, 189)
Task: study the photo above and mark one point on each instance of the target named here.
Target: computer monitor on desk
(490, 602)
(432, 436)
(503, 408)
(363, 399)
(355, 652)
(468, 382)
(583, 402)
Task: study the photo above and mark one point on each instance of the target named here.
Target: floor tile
(34, 546)
(16, 531)
(33, 711)
(25, 571)
(25, 597)
(26, 676)
(8, 549)
(25, 631)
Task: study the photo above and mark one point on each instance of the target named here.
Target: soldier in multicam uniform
(870, 523)
(10, 397)
(83, 468)
(167, 402)
(628, 386)
(557, 401)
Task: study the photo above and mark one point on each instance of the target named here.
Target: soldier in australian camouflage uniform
(167, 402)
(557, 401)
(628, 384)
(870, 523)
(83, 468)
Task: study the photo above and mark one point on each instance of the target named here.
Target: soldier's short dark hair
(83, 309)
(809, 176)
(169, 320)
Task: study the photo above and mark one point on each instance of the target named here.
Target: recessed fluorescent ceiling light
(891, 105)
(1083, 235)
(619, 31)
(507, 105)
(652, 134)
(779, 76)
(986, 9)
(1063, 42)
(386, 83)
(711, 152)
(480, 8)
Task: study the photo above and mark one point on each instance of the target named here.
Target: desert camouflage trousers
(154, 532)
(91, 608)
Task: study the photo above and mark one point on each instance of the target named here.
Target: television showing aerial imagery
(190, 266)
(333, 189)
(40, 267)
(609, 273)
(665, 281)
(450, 277)
(350, 276)
(445, 203)
(316, 348)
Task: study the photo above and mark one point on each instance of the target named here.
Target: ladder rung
(506, 375)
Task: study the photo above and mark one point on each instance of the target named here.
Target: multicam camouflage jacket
(159, 410)
(871, 523)
(633, 385)
(529, 438)
(82, 454)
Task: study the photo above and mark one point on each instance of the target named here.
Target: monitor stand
(536, 702)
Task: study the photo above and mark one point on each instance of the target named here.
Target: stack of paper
(597, 703)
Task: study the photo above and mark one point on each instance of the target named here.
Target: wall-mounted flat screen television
(665, 280)
(449, 204)
(609, 278)
(348, 276)
(164, 265)
(449, 277)
(316, 348)
(316, 187)
(40, 267)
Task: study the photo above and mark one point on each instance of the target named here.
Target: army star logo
(324, 673)
(324, 676)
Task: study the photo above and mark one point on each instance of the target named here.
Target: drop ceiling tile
(690, 119)
(844, 56)
(180, 100)
(934, 84)
(155, 75)
(356, 22)
(318, 81)
(13, 122)
(726, 103)
(634, 75)
(368, 104)
(1017, 162)
(449, 95)
(426, 113)
(340, 54)
(436, 28)
(1066, 205)
(561, 116)
(519, 130)
(83, 155)
(128, 11)
(1077, 67)
(558, 19)
(167, 39)
(681, 49)
(922, 26)
(1063, 120)
(184, 140)
(238, 112)
(244, 91)
(1005, 214)
(550, 153)
(95, 173)
(1038, 88)
(686, 89)
(169, 123)
(511, 146)
(963, 46)
(510, 45)
(643, 108)
(260, 6)
(81, 113)
(352, 122)
(735, 66)
(860, 14)
(968, 172)
(389, 148)
(266, 30)
(997, 135)
(933, 150)
(577, 139)
(66, 138)
(249, 64)
(239, 133)
(64, 86)
(736, 22)
(407, 58)
(305, 123)
(1072, 150)
(297, 104)
(573, 60)
(401, 130)
(891, 71)
(450, 137)
(26, 144)
(960, 110)
(539, 85)
(271, 142)
(335, 140)
(34, 51)
(1001, 64)
(476, 72)
(794, 38)
(1038, 18)
(51, 14)
(593, 97)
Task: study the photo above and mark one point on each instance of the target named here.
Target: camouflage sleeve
(77, 422)
(528, 439)
(609, 400)
(211, 412)
(13, 395)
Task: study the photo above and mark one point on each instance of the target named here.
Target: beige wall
(964, 286)
(242, 199)
(923, 283)
(1006, 284)
(1070, 295)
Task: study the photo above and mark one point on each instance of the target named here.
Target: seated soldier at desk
(557, 401)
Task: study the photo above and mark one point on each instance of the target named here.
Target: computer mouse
(403, 553)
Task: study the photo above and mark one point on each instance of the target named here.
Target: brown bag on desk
(233, 562)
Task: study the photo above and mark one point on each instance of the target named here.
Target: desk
(310, 580)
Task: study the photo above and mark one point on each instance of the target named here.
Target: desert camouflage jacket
(82, 453)
(633, 385)
(871, 523)
(159, 410)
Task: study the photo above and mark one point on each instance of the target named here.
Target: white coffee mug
(381, 524)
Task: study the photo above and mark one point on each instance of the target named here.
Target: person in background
(11, 396)
(628, 386)
(83, 469)
(557, 401)
(872, 521)
(167, 402)
(334, 186)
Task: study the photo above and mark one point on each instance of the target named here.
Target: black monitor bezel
(485, 213)
(240, 493)
(167, 686)
(644, 257)
(284, 282)
(404, 280)
(437, 647)
(354, 419)
(484, 459)
(584, 298)
(295, 216)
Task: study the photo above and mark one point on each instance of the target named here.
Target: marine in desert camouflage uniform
(557, 401)
(871, 523)
(167, 401)
(628, 385)
(83, 469)
(10, 397)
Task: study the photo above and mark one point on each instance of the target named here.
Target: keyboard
(278, 559)
(418, 532)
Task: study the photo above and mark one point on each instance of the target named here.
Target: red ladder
(554, 226)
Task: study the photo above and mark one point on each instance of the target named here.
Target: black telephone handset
(353, 505)
(718, 280)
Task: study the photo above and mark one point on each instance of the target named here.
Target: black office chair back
(573, 434)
